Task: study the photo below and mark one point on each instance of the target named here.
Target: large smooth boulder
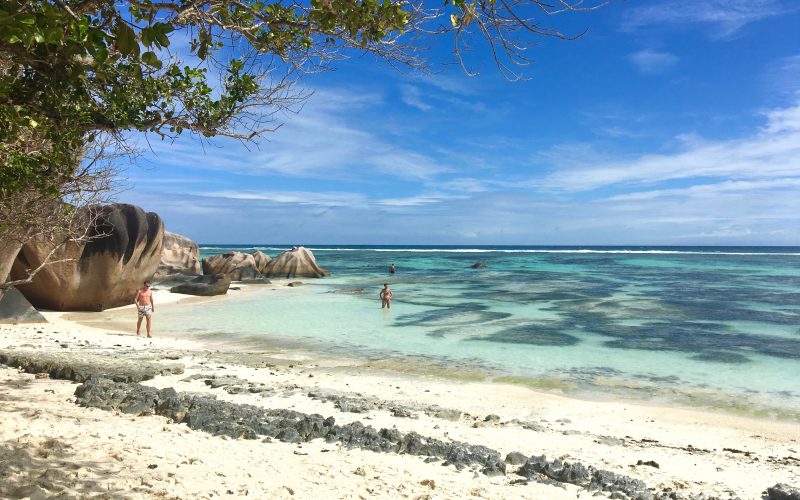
(104, 272)
(209, 284)
(298, 262)
(234, 264)
(180, 256)
(261, 259)
(15, 308)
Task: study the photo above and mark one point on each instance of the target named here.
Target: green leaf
(151, 59)
(26, 19)
(126, 39)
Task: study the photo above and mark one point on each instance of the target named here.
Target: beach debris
(430, 483)
(42, 375)
(295, 283)
(651, 463)
(359, 471)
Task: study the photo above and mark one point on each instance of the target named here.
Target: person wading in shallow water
(386, 296)
(144, 303)
(391, 269)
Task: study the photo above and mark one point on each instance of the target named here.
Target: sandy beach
(52, 446)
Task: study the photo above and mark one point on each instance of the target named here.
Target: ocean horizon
(703, 326)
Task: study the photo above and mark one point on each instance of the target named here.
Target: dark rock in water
(722, 357)
(516, 458)
(104, 272)
(479, 265)
(783, 491)
(352, 291)
(82, 366)
(211, 284)
(295, 283)
(15, 308)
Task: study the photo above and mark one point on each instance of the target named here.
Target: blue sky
(670, 122)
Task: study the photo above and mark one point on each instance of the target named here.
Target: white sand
(48, 440)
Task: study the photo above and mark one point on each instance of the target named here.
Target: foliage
(71, 68)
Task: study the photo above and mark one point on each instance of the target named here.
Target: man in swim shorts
(146, 307)
(386, 296)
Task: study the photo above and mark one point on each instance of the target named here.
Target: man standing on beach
(386, 296)
(145, 306)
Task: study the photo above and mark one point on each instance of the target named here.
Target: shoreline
(627, 391)
(695, 451)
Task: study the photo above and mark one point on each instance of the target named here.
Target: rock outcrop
(15, 308)
(298, 262)
(209, 284)
(236, 265)
(181, 256)
(104, 272)
(261, 259)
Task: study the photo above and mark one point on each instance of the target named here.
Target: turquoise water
(713, 327)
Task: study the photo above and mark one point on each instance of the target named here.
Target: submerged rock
(15, 308)
(206, 285)
(101, 273)
(479, 265)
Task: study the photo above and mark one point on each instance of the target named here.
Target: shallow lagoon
(711, 327)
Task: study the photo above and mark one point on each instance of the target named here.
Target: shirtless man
(144, 303)
(386, 296)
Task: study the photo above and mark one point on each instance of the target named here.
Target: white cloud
(725, 16)
(651, 62)
(415, 201)
(772, 152)
(412, 96)
(713, 190)
(322, 141)
(325, 199)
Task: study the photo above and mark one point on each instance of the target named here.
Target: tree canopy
(72, 69)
